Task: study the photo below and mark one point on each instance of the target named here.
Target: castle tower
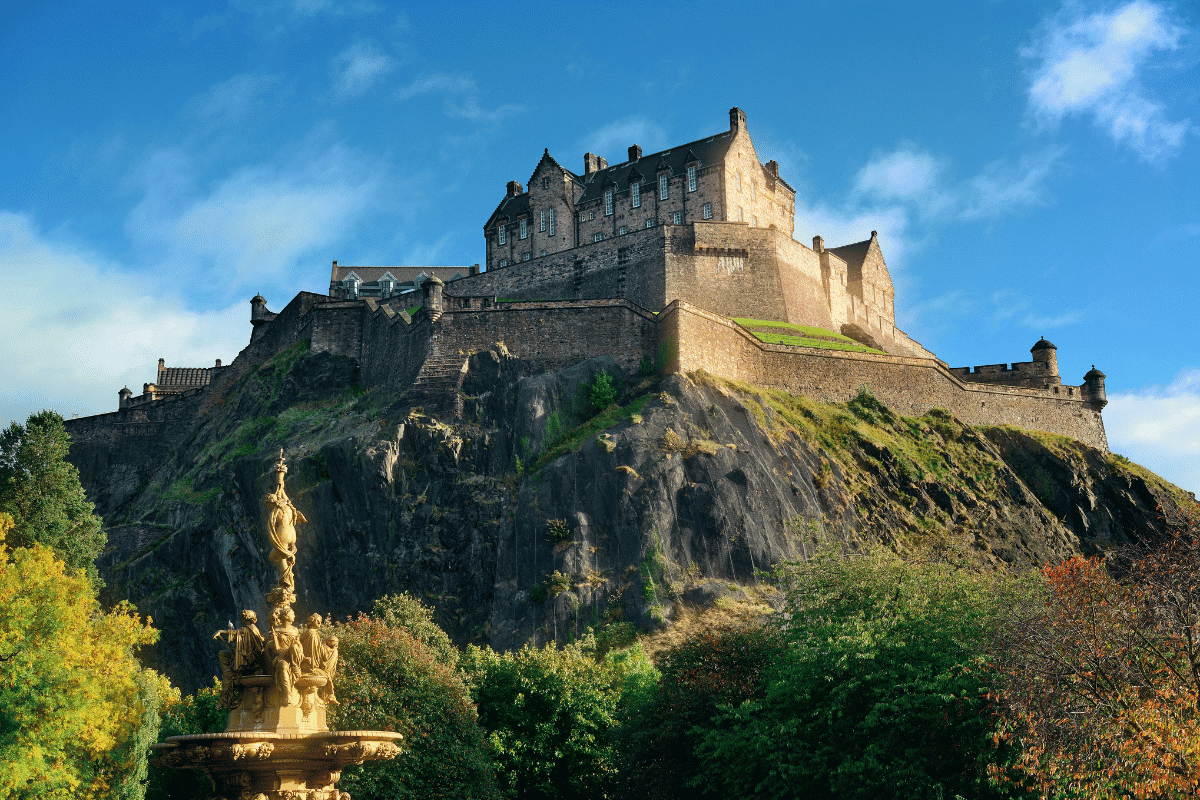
(1093, 387)
(123, 397)
(1046, 353)
(259, 315)
(433, 297)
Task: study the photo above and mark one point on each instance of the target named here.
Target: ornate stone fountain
(277, 687)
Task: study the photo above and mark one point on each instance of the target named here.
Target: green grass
(801, 335)
(413, 310)
(573, 439)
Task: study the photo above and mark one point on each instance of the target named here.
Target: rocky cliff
(525, 517)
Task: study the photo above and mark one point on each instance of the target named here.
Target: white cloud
(1089, 64)
(462, 97)
(613, 140)
(900, 175)
(1002, 188)
(234, 99)
(359, 66)
(73, 351)
(257, 221)
(1159, 428)
(437, 83)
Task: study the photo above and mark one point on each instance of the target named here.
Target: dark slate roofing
(401, 274)
(510, 207)
(1093, 373)
(1042, 344)
(852, 254)
(183, 377)
(709, 150)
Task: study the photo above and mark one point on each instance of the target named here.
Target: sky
(1033, 168)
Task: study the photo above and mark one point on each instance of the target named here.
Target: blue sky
(1033, 168)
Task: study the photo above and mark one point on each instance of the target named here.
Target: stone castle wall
(908, 385)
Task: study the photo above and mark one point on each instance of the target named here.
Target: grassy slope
(772, 332)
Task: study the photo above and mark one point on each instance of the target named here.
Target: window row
(546, 224)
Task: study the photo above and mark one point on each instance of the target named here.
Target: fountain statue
(277, 687)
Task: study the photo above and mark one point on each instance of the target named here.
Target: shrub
(602, 393)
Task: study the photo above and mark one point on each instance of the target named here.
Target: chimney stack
(591, 163)
(773, 168)
(515, 188)
(737, 119)
(635, 152)
(818, 244)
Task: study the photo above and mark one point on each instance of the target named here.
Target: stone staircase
(440, 375)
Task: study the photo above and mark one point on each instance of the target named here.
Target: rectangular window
(692, 178)
(525, 257)
(592, 214)
(624, 230)
(650, 223)
(753, 190)
(504, 262)
(662, 187)
(583, 216)
(542, 220)
(741, 218)
(552, 222)
(608, 203)
(754, 221)
(708, 210)
(635, 192)
(597, 237)
(501, 238)
(739, 181)
(677, 218)
(524, 228)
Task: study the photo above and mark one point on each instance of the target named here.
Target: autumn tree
(1104, 676)
(41, 490)
(76, 708)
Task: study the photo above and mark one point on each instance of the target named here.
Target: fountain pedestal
(277, 745)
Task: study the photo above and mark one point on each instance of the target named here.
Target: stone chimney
(773, 169)
(515, 188)
(635, 152)
(218, 362)
(818, 244)
(601, 162)
(591, 163)
(737, 119)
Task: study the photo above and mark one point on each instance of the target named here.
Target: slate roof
(401, 274)
(510, 207)
(183, 377)
(706, 151)
(852, 254)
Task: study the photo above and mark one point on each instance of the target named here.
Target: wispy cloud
(461, 96)
(234, 99)
(613, 140)
(107, 333)
(1159, 427)
(1003, 188)
(359, 67)
(1009, 308)
(256, 221)
(1089, 64)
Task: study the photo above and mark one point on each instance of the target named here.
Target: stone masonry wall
(908, 385)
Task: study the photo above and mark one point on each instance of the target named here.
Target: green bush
(602, 393)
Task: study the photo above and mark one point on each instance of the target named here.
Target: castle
(684, 258)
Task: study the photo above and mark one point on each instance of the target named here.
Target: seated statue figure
(242, 655)
(285, 655)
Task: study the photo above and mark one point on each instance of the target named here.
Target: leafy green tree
(711, 669)
(41, 490)
(195, 713)
(602, 393)
(884, 691)
(407, 612)
(75, 705)
(387, 680)
(552, 714)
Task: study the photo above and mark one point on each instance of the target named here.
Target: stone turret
(432, 289)
(1093, 388)
(123, 397)
(259, 315)
(1046, 353)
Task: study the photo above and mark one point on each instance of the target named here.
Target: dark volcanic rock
(520, 525)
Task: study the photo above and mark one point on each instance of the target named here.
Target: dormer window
(608, 204)
(691, 177)
(352, 284)
(501, 236)
(663, 189)
(524, 228)
(552, 222)
(635, 192)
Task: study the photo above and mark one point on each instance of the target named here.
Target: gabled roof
(708, 150)
(183, 377)
(510, 207)
(399, 274)
(547, 157)
(852, 254)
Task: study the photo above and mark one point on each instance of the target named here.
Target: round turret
(1093, 386)
(432, 288)
(1046, 353)
(123, 397)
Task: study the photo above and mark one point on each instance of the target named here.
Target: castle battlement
(655, 254)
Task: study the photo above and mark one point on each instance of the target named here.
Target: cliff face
(526, 519)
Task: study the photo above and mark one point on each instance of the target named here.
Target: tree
(407, 612)
(883, 691)
(74, 702)
(709, 669)
(551, 715)
(1104, 676)
(41, 490)
(387, 680)
(195, 713)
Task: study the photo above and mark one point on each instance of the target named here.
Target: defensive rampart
(908, 385)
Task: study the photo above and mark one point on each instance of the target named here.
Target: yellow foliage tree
(70, 700)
